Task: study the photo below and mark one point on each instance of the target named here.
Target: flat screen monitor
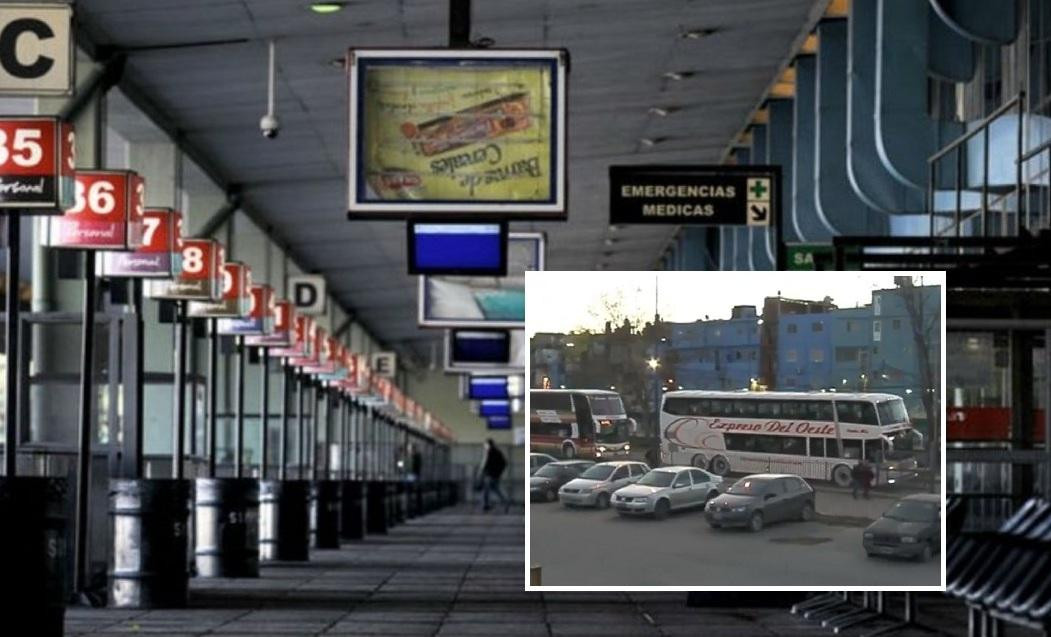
(482, 351)
(482, 387)
(494, 408)
(498, 422)
(465, 249)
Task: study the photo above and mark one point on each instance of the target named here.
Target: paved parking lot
(599, 547)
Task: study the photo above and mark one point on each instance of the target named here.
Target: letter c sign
(307, 294)
(36, 49)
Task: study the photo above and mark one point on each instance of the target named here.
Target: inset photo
(735, 430)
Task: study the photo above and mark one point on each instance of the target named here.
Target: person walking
(861, 478)
(489, 472)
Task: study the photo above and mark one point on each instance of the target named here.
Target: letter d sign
(36, 49)
(308, 294)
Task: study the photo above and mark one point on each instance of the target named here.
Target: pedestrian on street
(489, 472)
(861, 478)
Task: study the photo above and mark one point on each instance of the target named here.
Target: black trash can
(284, 526)
(324, 514)
(227, 527)
(352, 510)
(376, 507)
(148, 524)
(34, 521)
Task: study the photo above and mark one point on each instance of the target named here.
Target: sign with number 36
(107, 212)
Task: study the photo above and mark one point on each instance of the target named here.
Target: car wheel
(711, 494)
(602, 501)
(719, 465)
(569, 451)
(661, 509)
(551, 495)
(714, 525)
(807, 514)
(699, 461)
(841, 475)
(928, 553)
(755, 523)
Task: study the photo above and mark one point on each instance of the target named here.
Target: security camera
(270, 126)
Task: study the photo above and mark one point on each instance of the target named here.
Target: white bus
(815, 435)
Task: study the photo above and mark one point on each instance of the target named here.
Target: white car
(595, 486)
(666, 489)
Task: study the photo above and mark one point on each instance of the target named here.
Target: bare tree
(614, 309)
(925, 319)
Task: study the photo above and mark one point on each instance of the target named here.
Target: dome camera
(270, 126)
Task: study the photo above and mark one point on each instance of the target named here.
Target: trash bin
(227, 527)
(352, 510)
(148, 524)
(284, 528)
(324, 514)
(34, 520)
(376, 507)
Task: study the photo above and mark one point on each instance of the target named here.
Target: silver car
(666, 489)
(537, 460)
(595, 486)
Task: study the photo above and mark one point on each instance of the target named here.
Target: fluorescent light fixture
(327, 7)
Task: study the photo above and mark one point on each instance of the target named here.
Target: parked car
(757, 500)
(537, 460)
(910, 528)
(595, 486)
(545, 483)
(667, 489)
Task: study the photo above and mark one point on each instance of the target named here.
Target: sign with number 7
(199, 279)
(158, 255)
(36, 164)
(107, 212)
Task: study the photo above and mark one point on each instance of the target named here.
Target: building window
(847, 354)
(751, 354)
(876, 298)
(790, 356)
(737, 354)
(895, 324)
(817, 355)
(876, 330)
(715, 333)
(816, 326)
(850, 326)
(792, 328)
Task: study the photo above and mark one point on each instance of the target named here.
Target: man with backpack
(489, 472)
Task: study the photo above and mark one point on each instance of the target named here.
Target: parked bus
(579, 423)
(815, 435)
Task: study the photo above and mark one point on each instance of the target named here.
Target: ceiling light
(662, 111)
(614, 228)
(610, 241)
(650, 142)
(696, 34)
(677, 75)
(327, 7)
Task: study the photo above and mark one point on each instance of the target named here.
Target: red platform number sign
(199, 279)
(107, 212)
(158, 253)
(36, 164)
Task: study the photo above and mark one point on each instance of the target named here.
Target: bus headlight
(908, 539)
(627, 447)
(602, 449)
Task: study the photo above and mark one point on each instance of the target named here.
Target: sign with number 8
(36, 164)
(199, 279)
(106, 213)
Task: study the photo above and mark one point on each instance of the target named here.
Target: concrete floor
(450, 573)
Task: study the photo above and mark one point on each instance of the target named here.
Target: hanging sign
(36, 49)
(107, 213)
(36, 164)
(322, 364)
(384, 364)
(308, 293)
(200, 278)
(281, 334)
(466, 131)
(236, 299)
(303, 328)
(694, 195)
(259, 320)
(158, 256)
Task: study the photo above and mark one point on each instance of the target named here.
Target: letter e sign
(36, 49)
(384, 364)
(307, 293)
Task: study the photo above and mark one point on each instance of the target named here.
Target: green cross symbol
(758, 189)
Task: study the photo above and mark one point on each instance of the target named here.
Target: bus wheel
(699, 461)
(719, 465)
(569, 451)
(660, 510)
(841, 475)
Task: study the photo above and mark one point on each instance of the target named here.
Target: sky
(568, 301)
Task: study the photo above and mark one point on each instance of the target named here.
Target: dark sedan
(545, 483)
(757, 500)
(911, 528)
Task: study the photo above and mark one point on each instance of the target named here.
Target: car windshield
(656, 479)
(598, 472)
(747, 486)
(550, 471)
(913, 511)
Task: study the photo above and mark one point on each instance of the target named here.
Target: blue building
(713, 354)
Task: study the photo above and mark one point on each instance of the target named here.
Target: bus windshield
(606, 406)
(903, 444)
(656, 479)
(615, 431)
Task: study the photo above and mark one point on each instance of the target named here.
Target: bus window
(831, 448)
(852, 449)
(744, 408)
(856, 412)
(819, 410)
(892, 412)
(562, 430)
(817, 447)
(768, 409)
(677, 406)
(794, 409)
(547, 400)
(722, 408)
(794, 445)
(740, 442)
(768, 444)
